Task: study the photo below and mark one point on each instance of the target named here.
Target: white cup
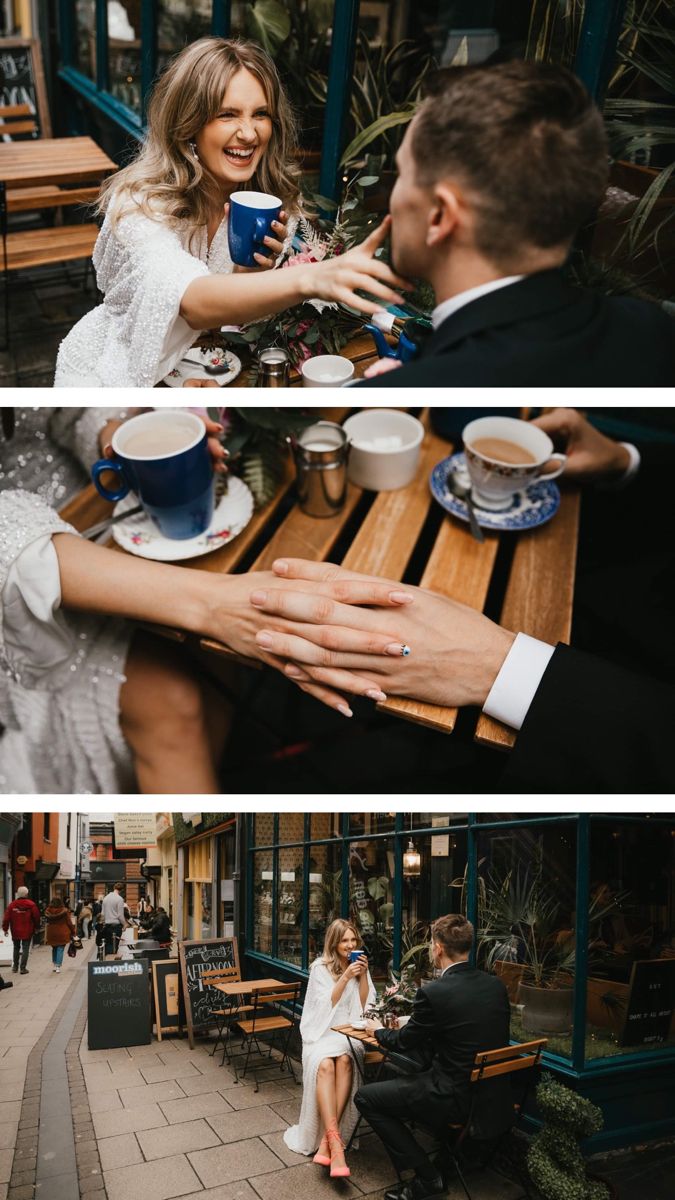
(326, 370)
(385, 448)
(494, 483)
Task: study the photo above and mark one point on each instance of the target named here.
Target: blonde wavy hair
(166, 179)
(334, 935)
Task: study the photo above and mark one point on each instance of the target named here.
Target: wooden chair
(490, 1065)
(18, 118)
(224, 1017)
(283, 1002)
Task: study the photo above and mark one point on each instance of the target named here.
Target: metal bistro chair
(490, 1065)
(225, 1017)
(270, 1009)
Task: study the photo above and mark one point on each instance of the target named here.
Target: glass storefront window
(371, 900)
(291, 827)
(180, 22)
(427, 820)
(367, 823)
(325, 825)
(85, 37)
(263, 901)
(263, 829)
(526, 926)
(630, 990)
(289, 908)
(325, 893)
(435, 892)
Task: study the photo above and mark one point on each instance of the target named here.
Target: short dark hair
(454, 933)
(526, 140)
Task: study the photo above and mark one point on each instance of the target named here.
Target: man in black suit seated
(498, 170)
(454, 1017)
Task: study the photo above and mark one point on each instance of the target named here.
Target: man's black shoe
(25, 971)
(15, 969)
(5, 983)
(416, 1189)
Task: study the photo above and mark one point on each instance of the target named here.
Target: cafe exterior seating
(274, 1011)
(224, 1017)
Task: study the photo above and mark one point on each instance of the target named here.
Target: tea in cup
(505, 455)
(327, 370)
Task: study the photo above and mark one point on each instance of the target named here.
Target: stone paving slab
(161, 1072)
(243, 1095)
(122, 1150)
(163, 1180)
(177, 1139)
(212, 1081)
(210, 1104)
(105, 1101)
(6, 1159)
(276, 1143)
(227, 1164)
(127, 1120)
(150, 1093)
(227, 1191)
(247, 1124)
(293, 1181)
(288, 1109)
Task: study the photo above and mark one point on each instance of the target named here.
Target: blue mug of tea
(249, 223)
(164, 458)
(355, 955)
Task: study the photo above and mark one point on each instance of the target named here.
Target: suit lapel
(534, 296)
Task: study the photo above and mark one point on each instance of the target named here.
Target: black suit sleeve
(416, 1033)
(594, 726)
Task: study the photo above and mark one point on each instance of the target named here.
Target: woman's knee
(344, 1063)
(326, 1068)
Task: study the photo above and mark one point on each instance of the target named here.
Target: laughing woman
(337, 993)
(218, 122)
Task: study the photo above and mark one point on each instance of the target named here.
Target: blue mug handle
(109, 464)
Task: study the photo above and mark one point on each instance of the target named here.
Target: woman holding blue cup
(195, 224)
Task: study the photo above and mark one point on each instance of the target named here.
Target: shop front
(10, 823)
(205, 846)
(575, 912)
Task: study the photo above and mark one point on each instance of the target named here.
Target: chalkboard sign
(118, 1005)
(169, 1009)
(212, 954)
(649, 1010)
(22, 81)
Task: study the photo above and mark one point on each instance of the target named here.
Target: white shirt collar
(448, 307)
(455, 964)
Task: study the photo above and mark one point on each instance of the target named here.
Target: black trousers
(389, 1104)
(110, 932)
(21, 948)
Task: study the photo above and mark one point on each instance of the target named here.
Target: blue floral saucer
(536, 505)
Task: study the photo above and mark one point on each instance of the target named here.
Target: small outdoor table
(405, 533)
(52, 160)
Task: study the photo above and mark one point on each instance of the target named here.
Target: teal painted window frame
(574, 1066)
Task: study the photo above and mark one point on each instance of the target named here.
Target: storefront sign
(649, 1010)
(118, 1006)
(135, 831)
(169, 1010)
(212, 954)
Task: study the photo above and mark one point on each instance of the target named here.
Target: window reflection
(325, 893)
(289, 930)
(371, 900)
(325, 825)
(263, 897)
(85, 37)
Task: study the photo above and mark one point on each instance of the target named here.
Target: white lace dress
(60, 672)
(319, 1042)
(137, 335)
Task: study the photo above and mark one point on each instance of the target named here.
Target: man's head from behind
(451, 938)
(507, 160)
(21, 893)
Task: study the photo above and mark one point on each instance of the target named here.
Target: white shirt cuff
(514, 688)
(629, 474)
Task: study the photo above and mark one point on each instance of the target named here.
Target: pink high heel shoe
(334, 1138)
(322, 1160)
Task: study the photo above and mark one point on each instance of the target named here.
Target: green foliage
(554, 1160)
(268, 23)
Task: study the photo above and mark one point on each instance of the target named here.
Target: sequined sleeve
(144, 271)
(77, 430)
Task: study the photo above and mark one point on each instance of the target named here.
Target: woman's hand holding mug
(358, 965)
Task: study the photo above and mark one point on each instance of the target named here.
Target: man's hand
(591, 457)
(373, 1023)
(455, 652)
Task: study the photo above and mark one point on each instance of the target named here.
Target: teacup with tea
(505, 455)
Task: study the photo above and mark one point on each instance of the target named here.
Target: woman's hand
(214, 429)
(339, 279)
(200, 383)
(356, 969)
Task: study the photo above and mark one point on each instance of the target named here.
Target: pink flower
(305, 256)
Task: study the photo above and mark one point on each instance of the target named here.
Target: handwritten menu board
(651, 997)
(212, 954)
(118, 1005)
(22, 81)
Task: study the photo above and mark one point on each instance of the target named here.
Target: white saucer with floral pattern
(139, 535)
(529, 508)
(221, 366)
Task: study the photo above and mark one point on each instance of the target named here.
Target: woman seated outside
(161, 927)
(337, 994)
(218, 123)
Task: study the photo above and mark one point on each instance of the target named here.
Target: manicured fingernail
(264, 639)
(258, 598)
(397, 650)
(280, 566)
(400, 597)
(375, 694)
(346, 712)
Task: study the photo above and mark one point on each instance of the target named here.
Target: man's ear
(444, 213)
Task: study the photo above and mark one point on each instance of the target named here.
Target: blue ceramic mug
(250, 222)
(163, 457)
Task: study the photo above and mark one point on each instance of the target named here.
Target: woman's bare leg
(326, 1096)
(344, 1066)
(174, 734)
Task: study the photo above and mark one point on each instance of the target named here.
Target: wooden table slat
(53, 160)
(539, 595)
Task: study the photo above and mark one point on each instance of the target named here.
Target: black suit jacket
(454, 1017)
(542, 332)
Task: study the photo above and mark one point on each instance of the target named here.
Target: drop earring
(193, 148)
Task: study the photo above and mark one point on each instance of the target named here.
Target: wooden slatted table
(53, 160)
(388, 531)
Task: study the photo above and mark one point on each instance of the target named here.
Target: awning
(46, 871)
(107, 872)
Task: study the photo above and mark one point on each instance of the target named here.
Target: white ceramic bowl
(385, 448)
(327, 370)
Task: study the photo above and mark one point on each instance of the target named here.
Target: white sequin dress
(60, 671)
(319, 1016)
(137, 336)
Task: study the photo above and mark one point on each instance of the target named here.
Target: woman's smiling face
(347, 944)
(232, 144)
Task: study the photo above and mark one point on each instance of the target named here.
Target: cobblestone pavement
(161, 1121)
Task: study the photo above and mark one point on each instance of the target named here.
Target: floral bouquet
(398, 998)
(256, 441)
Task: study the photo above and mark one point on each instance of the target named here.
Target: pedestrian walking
(22, 919)
(112, 910)
(85, 919)
(60, 929)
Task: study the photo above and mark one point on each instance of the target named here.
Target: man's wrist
(493, 660)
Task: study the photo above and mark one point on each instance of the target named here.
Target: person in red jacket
(22, 919)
